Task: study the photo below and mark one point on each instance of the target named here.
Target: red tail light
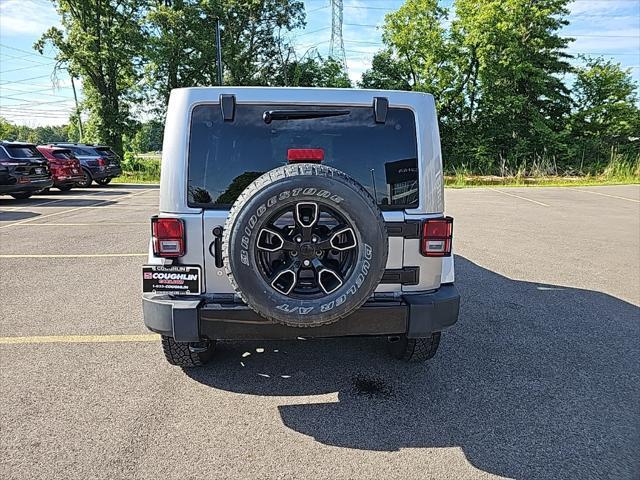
(437, 234)
(305, 154)
(168, 237)
(101, 162)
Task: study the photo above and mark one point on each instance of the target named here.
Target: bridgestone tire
(181, 355)
(283, 188)
(415, 349)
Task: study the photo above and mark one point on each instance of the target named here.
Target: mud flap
(186, 327)
(432, 313)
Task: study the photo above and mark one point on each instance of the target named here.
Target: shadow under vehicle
(539, 382)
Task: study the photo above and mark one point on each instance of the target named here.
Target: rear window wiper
(271, 115)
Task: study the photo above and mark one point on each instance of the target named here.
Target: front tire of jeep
(187, 354)
(414, 349)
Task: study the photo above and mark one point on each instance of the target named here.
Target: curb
(136, 184)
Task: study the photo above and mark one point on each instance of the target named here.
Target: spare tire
(305, 245)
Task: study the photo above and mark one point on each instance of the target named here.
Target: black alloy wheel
(306, 250)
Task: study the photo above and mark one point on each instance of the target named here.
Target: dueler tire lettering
(304, 186)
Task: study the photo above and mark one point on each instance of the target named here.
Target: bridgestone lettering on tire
(305, 245)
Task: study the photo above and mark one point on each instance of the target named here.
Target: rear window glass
(63, 155)
(225, 157)
(85, 151)
(23, 151)
(105, 151)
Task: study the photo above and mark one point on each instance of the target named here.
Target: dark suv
(23, 170)
(99, 162)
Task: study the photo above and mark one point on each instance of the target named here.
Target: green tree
(8, 130)
(182, 50)
(520, 60)
(387, 72)
(37, 135)
(148, 137)
(416, 36)
(496, 73)
(101, 41)
(312, 71)
(606, 114)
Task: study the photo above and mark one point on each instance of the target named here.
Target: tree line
(509, 96)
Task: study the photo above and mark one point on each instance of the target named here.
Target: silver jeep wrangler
(293, 212)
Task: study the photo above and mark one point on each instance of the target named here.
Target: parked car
(65, 168)
(300, 212)
(99, 162)
(23, 170)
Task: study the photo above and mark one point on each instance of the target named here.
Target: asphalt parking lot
(539, 379)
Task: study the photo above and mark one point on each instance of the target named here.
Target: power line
(25, 79)
(38, 114)
(26, 51)
(312, 31)
(23, 68)
(22, 59)
(31, 104)
(361, 7)
(316, 9)
(32, 92)
(599, 36)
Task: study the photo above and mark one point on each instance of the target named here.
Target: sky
(31, 95)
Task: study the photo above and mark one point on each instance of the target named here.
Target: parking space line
(149, 337)
(28, 220)
(34, 205)
(607, 195)
(518, 196)
(79, 255)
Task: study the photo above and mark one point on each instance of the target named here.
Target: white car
(288, 212)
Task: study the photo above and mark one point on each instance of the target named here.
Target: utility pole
(75, 97)
(218, 53)
(336, 46)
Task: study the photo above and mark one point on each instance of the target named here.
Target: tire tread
(180, 354)
(270, 177)
(418, 349)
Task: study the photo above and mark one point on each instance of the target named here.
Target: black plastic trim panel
(409, 229)
(404, 276)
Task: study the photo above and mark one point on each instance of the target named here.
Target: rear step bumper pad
(188, 319)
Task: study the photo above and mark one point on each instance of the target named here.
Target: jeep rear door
(226, 156)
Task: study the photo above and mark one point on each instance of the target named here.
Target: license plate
(39, 171)
(24, 180)
(74, 170)
(174, 279)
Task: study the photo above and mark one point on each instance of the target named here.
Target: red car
(65, 168)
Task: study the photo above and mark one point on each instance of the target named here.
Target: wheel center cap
(307, 250)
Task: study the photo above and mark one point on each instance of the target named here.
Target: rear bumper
(106, 172)
(189, 319)
(35, 185)
(61, 181)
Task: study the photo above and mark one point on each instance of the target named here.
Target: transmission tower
(336, 47)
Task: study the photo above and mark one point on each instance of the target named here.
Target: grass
(462, 181)
(139, 169)
(619, 171)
